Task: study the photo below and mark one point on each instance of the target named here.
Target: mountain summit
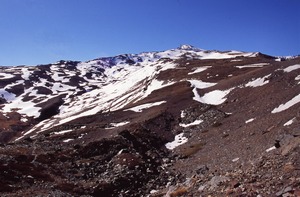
(186, 47)
(184, 121)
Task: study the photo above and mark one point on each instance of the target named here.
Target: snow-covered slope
(66, 90)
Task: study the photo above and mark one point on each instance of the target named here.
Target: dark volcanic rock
(50, 108)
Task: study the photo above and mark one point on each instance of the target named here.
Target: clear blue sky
(44, 31)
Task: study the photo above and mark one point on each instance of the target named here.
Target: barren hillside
(181, 122)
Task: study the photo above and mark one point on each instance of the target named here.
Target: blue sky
(43, 31)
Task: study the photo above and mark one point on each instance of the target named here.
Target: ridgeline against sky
(38, 32)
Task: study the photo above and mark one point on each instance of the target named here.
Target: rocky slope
(182, 122)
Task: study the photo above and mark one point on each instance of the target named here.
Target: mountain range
(180, 122)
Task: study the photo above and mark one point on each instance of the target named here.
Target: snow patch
(287, 105)
(68, 140)
(153, 191)
(59, 87)
(270, 149)
(218, 55)
(289, 122)
(235, 159)
(199, 70)
(215, 97)
(179, 140)
(119, 124)
(258, 82)
(250, 120)
(200, 84)
(62, 132)
(140, 108)
(155, 85)
(182, 114)
(6, 76)
(253, 65)
(26, 108)
(23, 119)
(291, 68)
(236, 60)
(209, 96)
(26, 73)
(297, 78)
(196, 122)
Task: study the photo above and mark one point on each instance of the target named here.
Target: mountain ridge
(100, 65)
